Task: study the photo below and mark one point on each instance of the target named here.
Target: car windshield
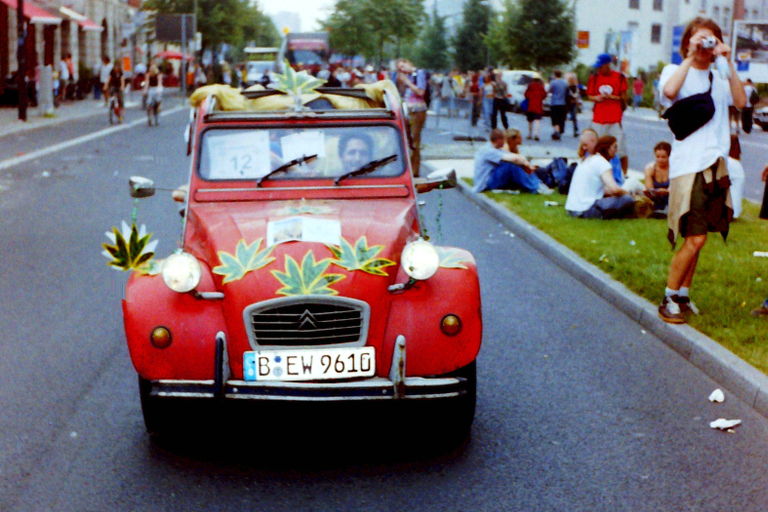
(249, 153)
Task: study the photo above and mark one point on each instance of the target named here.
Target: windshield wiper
(300, 160)
(365, 169)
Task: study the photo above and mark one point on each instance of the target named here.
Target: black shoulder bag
(689, 114)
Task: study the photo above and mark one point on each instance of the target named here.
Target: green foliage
(370, 27)
(432, 48)
(246, 258)
(360, 257)
(469, 42)
(235, 22)
(296, 84)
(535, 34)
(308, 279)
(729, 282)
(450, 258)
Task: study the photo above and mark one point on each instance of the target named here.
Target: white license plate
(309, 364)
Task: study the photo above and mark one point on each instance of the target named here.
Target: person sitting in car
(355, 150)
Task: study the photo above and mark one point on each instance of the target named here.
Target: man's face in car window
(355, 154)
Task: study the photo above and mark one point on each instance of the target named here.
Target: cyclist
(114, 86)
(153, 88)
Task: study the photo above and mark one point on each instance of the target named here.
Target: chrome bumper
(397, 386)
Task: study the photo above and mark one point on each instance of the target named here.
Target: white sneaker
(544, 190)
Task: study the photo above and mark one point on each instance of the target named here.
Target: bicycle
(115, 113)
(153, 107)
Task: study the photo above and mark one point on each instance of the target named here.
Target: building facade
(87, 29)
(641, 33)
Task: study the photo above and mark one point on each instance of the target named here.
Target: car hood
(277, 242)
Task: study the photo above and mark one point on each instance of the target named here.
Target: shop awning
(35, 13)
(84, 22)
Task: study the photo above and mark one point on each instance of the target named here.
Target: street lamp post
(21, 72)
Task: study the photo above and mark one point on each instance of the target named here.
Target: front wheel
(457, 415)
(447, 423)
(165, 416)
(112, 117)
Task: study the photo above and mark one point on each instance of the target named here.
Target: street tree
(234, 22)
(432, 49)
(373, 28)
(536, 34)
(469, 44)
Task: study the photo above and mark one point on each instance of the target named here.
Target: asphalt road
(578, 408)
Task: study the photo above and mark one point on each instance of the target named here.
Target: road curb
(720, 364)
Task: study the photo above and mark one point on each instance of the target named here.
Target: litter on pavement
(724, 424)
(717, 396)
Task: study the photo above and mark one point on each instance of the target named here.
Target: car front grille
(307, 322)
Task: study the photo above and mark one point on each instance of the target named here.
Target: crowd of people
(696, 182)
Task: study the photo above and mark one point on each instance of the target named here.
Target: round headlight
(181, 272)
(420, 259)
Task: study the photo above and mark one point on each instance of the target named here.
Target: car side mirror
(441, 178)
(141, 186)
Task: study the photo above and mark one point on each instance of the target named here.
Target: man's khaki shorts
(615, 130)
(707, 210)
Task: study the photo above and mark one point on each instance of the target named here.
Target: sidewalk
(67, 111)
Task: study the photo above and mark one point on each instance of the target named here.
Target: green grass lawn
(729, 280)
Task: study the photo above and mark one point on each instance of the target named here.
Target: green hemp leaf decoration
(246, 258)
(308, 279)
(360, 257)
(296, 84)
(450, 258)
(130, 248)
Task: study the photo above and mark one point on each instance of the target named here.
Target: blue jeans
(487, 109)
(512, 177)
(615, 207)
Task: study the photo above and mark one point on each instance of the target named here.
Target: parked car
(304, 275)
(517, 81)
(254, 72)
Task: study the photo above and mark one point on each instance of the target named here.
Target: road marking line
(5, 164)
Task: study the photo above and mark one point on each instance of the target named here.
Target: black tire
(162, 416)
(447, 423)
(764, 126)
(458, 415)
(111, 113)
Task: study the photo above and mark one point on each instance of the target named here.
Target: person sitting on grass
(593, 192)
(657, 177)
(497, 169)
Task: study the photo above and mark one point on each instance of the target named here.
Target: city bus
(305, 50)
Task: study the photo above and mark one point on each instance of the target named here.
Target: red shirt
(535, 94)
(639, 86)
(607, 111)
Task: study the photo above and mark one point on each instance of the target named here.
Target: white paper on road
(717, 396)
(724, 424)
